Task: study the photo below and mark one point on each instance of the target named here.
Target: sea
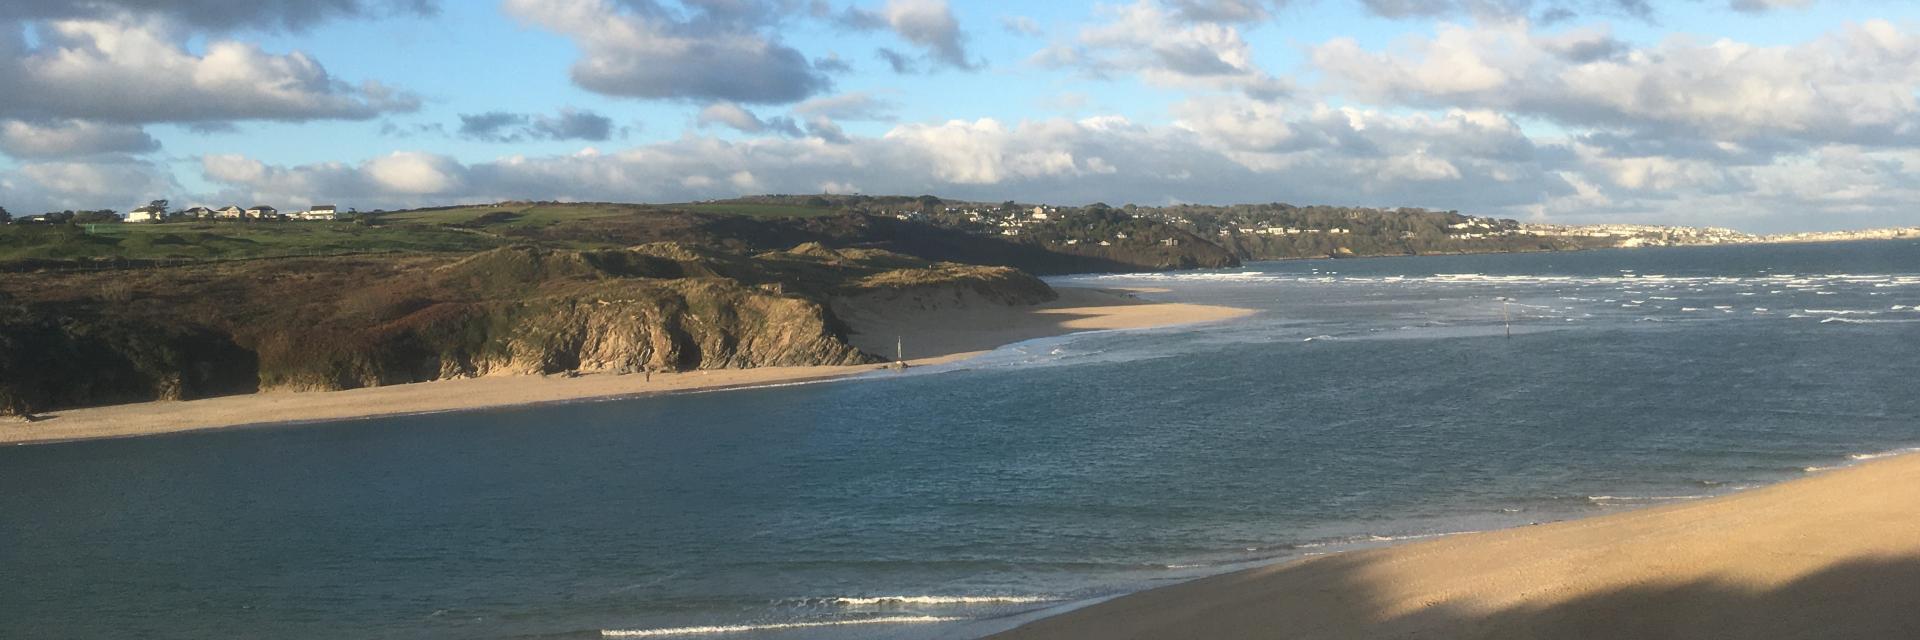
(1369, 402)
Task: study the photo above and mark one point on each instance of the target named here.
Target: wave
(1833, 319)
(1774, 284)
(749, 628)
(1607, 499)
(1882, 454)
(1415, 536)
(938, 600)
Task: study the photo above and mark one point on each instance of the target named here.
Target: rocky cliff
(80, 339)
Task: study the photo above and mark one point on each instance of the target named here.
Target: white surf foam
(749, 628)
(1606, 499)
(1882, 454)
(938, 600)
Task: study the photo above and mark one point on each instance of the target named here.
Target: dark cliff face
(317, 324)
(48, 361)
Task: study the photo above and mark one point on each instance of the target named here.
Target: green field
(764, 210)
(511, 214)
(453, 229)
(228, 240)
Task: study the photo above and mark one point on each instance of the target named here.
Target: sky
(1760, 115)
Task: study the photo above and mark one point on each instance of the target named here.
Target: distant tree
(93, 217)
(160, 204)
(5, 217)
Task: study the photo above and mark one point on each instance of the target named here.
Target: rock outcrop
(338, 323)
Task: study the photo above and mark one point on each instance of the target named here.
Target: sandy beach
(1833, 555)
(932, 337)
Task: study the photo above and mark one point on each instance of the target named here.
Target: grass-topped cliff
(85, 337)
(742, 227)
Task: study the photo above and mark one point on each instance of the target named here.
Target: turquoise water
(1371, 400)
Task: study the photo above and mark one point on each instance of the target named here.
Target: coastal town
(1254, 231)
(158, 211)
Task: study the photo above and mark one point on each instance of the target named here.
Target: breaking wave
(749, 628)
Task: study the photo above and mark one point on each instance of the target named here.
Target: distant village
(159, 211)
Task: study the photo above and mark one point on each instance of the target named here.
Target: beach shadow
(1328, 598)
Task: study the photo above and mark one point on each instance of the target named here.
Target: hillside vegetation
(87, 338)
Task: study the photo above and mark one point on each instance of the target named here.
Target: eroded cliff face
(615, 327)
(340, 323)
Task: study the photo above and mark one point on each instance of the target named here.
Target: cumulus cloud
(927, 24)
(1020, 25)
(815, 119)
(858, 105)
(930, 25)
(130, 69)
(66, 138)
(1223, 10)
(113, 183)
(899, 62)
(568, 124)
(1763, 6)
(738, 118)
(1546, 10)
(218, 14)
(712, 51)
(399, 177)
(1221, 148)
(1164, 49)
(1851, 86)
(1466, 160)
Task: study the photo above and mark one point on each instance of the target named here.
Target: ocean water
(1371, 400)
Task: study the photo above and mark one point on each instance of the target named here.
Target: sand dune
(937, 336)
(1835, 555)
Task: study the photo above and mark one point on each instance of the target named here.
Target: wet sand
(1833, 555)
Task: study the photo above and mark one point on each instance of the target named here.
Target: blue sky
(1763, 115)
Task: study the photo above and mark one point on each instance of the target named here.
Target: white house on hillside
(319, 212)
(198, 213)
(261, 212)
(230, 212)
(147, 213)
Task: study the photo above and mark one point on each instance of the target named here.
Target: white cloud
(1223, 10)
(414, 173)
(930, 25)
(720, 52)
(1763, 6)
(738, 118)
(926, 24)
(112, 183)
(858, 105)
(1165, 49)
(66, 138)
(1104, 158)
(1852, 85)
(1021, 25)
(219, 14)
(132, 69)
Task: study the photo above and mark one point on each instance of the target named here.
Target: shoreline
(1793, 559)
(937, 336)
